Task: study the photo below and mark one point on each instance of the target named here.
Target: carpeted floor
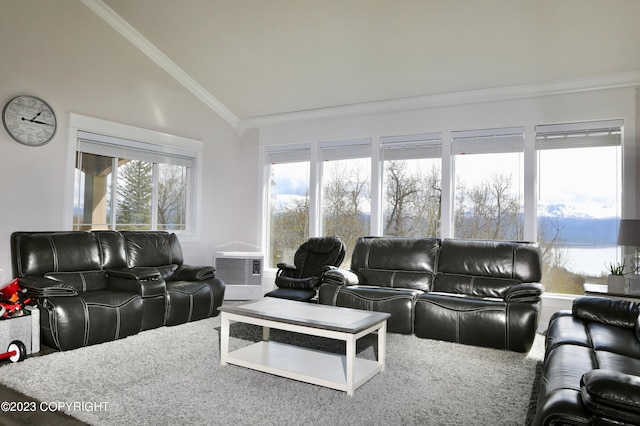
(173, 375)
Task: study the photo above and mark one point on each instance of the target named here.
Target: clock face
(29, 120)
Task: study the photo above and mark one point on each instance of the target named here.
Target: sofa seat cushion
(462, 302)
(418, 280)
(567, 330)
(396, 301)
(299, 294)
(618, 340)
(571, 330)
(472, 285)
(107, 298)
(90, 318)
(618, 363)
(463, 319)
(565, 365)
(188, 301)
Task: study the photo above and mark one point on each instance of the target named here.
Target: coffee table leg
(382, 345)
(351, 358)
(265, 333)
(224, 338)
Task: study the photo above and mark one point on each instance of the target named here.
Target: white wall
(63, 53)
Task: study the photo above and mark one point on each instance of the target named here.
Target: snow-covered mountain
(575, 211)
(599, 226)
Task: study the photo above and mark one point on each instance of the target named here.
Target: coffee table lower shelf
(303, 364)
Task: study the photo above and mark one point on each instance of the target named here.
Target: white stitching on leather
(53, 322)
(84, 281)
(212, 301)
(54, 251)
(400, 296)
(117, 323)
(87, 322)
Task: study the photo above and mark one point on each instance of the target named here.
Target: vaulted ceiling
(255, 58)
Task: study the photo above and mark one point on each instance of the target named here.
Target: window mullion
(114, 193)
(154, 197)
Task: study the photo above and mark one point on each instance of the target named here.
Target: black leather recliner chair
(301, 280)
(94, 287)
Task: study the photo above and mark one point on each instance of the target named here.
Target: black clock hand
(41, 122)
(37, 115)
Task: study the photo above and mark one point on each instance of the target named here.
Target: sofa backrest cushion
(393, 278)
(471, 285)
(81, 281)
(112, 249)
(496, 259)
(152, 248)
(36, 253)
(395, 253)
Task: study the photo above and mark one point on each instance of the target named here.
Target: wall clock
(29, 120)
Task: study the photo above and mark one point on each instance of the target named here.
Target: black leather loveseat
(591, 371)
(94, 287)
(483, 293)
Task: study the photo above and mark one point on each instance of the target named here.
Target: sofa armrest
(612, 394)
(194, 273)
(340, 277)
(286, 270)
(525, 292)
(615, 312)
(139, 273)
(44, 287)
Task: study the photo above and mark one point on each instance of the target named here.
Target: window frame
(422, 146)
(499, 140)
(282, 155)
(79, 125)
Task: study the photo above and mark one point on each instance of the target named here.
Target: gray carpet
(173, 375)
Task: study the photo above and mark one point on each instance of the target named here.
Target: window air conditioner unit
(241, 272)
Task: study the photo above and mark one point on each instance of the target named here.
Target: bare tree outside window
(346, 204)
(172, 197)
(413, 199)
(489, 210)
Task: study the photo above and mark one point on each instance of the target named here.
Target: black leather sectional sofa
(483, 293)
(94, 287)
(591, 373)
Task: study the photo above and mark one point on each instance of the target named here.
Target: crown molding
(156, 55)
(586, 84)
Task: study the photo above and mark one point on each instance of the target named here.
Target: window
(346, 191)
(414, 186)
(411, 188)
(288, 207)
(123, 185)
(489, 184)
(580, 185)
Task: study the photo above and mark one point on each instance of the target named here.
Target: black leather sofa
(591, 372)
(483, 293)
(94, 287)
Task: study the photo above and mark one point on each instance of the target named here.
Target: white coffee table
(341, 372)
